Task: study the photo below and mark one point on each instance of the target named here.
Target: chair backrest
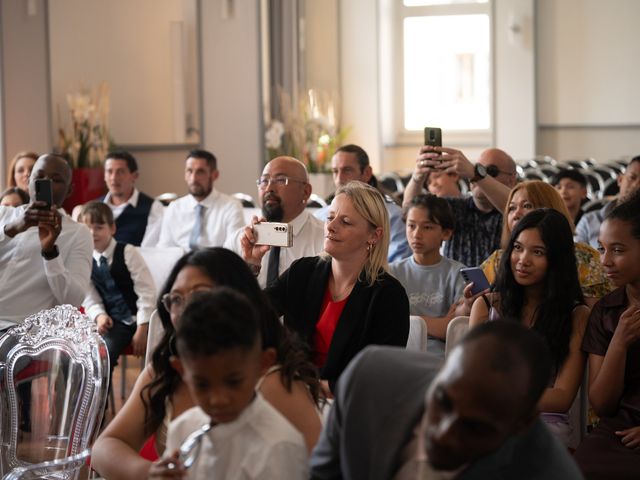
(456, 329)
(246, 199)
(417, 339)
(53, 387)
(160, 261)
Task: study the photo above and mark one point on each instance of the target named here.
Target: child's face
(101, 233)
(223, 384)
(423, 235)
(11, 200)
(529, 258)
(443, 184)
(619, 252)
(571, 192)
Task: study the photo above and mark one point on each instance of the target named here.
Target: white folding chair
(455, 331)
(417, 339)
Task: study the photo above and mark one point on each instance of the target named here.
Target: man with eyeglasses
(205, 217)
(283, 190)
(478, 217)
(351, 162)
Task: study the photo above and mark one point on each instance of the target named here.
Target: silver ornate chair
(54, 371)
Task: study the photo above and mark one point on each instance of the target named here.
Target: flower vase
(88, 184)
(321, 184)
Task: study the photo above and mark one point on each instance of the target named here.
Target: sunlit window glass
(446, 71)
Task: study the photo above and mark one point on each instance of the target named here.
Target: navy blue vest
(123, 281)
(132, 222)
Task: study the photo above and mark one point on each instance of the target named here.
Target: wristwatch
(50, 255)
(479, 172)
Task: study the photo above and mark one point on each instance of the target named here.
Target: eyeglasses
(278, 180)
(494, 171)
(175, 302)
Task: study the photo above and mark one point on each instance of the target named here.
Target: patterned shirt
(476, 234)
(593, 282)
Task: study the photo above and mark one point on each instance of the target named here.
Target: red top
(326, 326)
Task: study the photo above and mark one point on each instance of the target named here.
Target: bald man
(479, 217)
(283, 190)
(45, 257)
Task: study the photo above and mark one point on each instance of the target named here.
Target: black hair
(439, 210)
(571, 174)
(516, 344)
(96, 212)
(225, 268)
(629, 212)
(24, 196)
(361, 155)
(132, 165)
(561, 292)
(215, 321)
(634, 159)
(210, 158)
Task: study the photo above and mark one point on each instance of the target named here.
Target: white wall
(25, 78)
(588, 70)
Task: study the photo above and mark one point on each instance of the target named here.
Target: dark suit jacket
(377, 314)
(379, 401)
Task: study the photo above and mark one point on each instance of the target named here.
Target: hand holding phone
(477, 276)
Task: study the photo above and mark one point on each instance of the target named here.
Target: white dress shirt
(28, 282)
(154, 222)
(259, 444)
(142, 284)
(308, 241)
(222, 216)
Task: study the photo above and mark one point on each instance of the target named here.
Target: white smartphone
(274, 234)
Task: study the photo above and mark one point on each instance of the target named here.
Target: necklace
(337, 295)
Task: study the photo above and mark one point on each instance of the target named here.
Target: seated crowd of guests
(293, 360)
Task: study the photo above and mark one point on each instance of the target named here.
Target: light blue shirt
(398, 246)
(588, 227)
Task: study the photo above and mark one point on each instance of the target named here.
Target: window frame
(391, 68)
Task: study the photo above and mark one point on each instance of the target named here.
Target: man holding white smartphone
(283, 189)
(45, 257)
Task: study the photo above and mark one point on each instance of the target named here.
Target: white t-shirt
(259, 444)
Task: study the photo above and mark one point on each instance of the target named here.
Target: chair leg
(123, 378)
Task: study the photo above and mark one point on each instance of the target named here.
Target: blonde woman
(20, 170)
(343, 300)
(531, 195)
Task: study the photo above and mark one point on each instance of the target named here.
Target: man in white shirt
(45, 257)
(283, 189)
(138, 216)
(205, 217)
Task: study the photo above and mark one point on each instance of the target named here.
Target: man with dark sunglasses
(478, 217)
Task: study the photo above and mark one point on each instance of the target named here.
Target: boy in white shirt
(221, 360)
(433, 282)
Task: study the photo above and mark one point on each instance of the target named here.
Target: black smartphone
(475, 275)
(433, 136)
(43, 192)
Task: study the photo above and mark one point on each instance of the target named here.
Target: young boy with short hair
(122, 294)
(433, 282)
(220, 359)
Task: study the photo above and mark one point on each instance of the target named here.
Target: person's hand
(49, 228)
(463, 306)
(139, 340)
(454, 161)
(104, 322)
(628, 329)
(630, 437)
(168, 467)
(252, 253)
(31, 216)
(427, 161)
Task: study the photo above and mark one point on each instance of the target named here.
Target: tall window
(441, 59)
